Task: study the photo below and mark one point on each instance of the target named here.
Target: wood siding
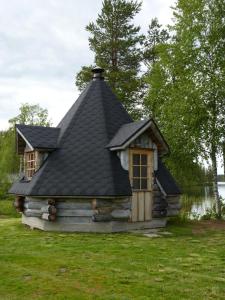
(142, 199)
(141, 206)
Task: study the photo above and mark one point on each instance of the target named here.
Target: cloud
(43, 44)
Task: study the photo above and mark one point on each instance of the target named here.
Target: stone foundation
(101, 227)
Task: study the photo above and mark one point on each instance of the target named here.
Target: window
(140, 170)
(30, 164)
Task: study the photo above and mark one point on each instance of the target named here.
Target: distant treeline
(221, 177)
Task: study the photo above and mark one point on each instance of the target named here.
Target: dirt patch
(202, 226)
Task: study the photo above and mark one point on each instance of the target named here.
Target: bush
(7, 209)
(211, 212)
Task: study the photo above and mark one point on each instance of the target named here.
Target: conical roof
(82, 165)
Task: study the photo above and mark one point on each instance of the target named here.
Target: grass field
(189, 264)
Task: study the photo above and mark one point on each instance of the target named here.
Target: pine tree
(156, 36)
(115, 41)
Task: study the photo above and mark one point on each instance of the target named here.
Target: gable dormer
(34, 143)
(139, 145)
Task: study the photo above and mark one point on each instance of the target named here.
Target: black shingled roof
(166, 180)
(82, 165)
(40, 137)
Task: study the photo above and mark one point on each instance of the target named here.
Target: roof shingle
(125, 132)
(166, 180)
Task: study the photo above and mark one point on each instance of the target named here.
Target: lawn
(189, 264)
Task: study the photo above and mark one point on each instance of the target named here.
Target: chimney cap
(97, 73)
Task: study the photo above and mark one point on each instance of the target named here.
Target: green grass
(41, 265)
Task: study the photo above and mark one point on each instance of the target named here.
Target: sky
(43, 44)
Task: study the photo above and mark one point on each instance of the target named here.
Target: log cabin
(97, 171)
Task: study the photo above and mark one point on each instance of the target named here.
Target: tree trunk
(215, 184)
(224, 159)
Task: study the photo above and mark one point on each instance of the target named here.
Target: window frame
(30, 164)
(148, 165)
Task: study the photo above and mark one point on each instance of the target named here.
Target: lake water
(198, 205)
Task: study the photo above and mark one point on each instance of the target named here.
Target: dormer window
(30, 164)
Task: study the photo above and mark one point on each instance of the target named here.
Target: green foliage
(115, 42)
(186, 86)
(211, 214)
(8, 210)
(156, 36)
(31, 115)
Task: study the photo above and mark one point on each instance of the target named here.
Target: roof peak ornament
(97, 73)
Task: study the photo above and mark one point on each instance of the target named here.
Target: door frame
(141, 203)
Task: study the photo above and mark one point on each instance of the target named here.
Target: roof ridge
(107, 133)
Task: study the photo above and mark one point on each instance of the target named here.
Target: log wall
(165, 206)
(78, 210)
(174, 205)
(97, 215)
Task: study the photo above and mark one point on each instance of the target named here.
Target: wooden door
(140, 170)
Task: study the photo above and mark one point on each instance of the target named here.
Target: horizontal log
(50, 209)
(160, 206)
(126, 205)
(32, 212)
(121, 214)
(101, 218)
(33, 205)
(156, 193)
(159, 213)
(104, 210)
(172, 212)
(160, 200)
(75, 213)
(157, 199)
(173, 198)
(176, 206)
(48, 217)
(73, 205)
(173, 201)
(155, 187)
(121, 200)
(99, 203)
(36, 200)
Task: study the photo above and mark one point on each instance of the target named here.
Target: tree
(115, 42)
(31, 115)
(208, 64)
(192, 90)
(9, 161)
(223, 156)
(156, 36)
